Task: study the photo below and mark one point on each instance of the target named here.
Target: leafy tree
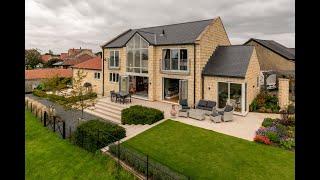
(50, 63)
(78, 92)
(32, 58)
(55, 83)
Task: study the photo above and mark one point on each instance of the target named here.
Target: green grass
(204, 154)
(50, 157)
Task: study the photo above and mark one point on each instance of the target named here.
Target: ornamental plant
(262, 139)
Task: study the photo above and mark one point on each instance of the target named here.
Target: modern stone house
(92, 69)
(192, 60)
(273, 56)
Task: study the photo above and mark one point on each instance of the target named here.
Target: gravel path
(70, 117)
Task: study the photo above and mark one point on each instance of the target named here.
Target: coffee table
(197, 114)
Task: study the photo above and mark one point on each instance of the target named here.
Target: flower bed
(278, 132)
(265, 103)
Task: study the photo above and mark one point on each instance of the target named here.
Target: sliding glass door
(234, 94)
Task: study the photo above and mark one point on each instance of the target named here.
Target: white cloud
(62, 24)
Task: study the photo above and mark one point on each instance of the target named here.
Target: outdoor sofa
(207, 106)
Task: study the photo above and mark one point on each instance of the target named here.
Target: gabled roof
(47, 73)
(229, 61)
(94, 63)
(275, 47)
(45, 58)
(182, 33)
(80, 59)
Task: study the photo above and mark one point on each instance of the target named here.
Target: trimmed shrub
(267, 122)
(138, 161)
(262, 139)
(140, 115)
(95, 134)
(84, 97)
(39, 93)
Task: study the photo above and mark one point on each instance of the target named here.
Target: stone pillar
(151, 73)
(283, 92)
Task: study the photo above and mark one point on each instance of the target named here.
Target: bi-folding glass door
(233, 94)
(183, 89)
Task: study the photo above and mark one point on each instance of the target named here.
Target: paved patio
(242, 126)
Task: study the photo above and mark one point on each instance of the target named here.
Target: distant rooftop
(47, 73)
(278, 48)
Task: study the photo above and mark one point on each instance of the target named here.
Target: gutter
(102, 71)
(194, 75)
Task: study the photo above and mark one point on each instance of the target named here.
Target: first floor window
(114, 59)
(97, 75)
(114, 77)
(175, 59)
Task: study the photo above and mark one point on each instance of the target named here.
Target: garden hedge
(138, 161)
(140, 115)
(95, 134)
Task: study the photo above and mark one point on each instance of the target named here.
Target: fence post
(147, 167)
(118, 156)
(70, 132)
(31, 106)
(40, 114)
(82, 138)
(54, 124)
(64, 130)
(45, 119)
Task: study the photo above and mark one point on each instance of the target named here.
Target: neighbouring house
(274, 59)
(92, 69)
(73, 57)
(34, 77)
(47, 57)
(273, 56)
(192, 60)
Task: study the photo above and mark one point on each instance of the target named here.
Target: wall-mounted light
(209, 87)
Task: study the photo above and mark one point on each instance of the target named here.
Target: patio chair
(184, 108)
(227, 113)
(112, 95)
(215, 116)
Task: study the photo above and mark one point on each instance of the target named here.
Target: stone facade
(283, 92)
(270, 60)
(210, 38)
(96, 83)
(251, 79)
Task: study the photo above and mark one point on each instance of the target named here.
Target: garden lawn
(204, 154)
(50, 157)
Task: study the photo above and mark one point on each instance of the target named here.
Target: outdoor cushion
(211, 104)
(184, 102)
(228, 108)
(207, 108)
(214, 113)
(221, 112)
(185, 107)
(202, 103)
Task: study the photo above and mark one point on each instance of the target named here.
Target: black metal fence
(55, 123)
(123, 153)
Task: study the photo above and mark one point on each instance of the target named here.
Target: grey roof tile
(276, 47)
(229, 61)
(182, 33)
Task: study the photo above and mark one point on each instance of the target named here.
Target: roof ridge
(174, 24)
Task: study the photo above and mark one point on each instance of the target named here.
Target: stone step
(103, 116)
(108, 109)
(109, 106)
(113, 104)
(108, 114)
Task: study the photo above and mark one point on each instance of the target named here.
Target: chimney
(162, 33)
